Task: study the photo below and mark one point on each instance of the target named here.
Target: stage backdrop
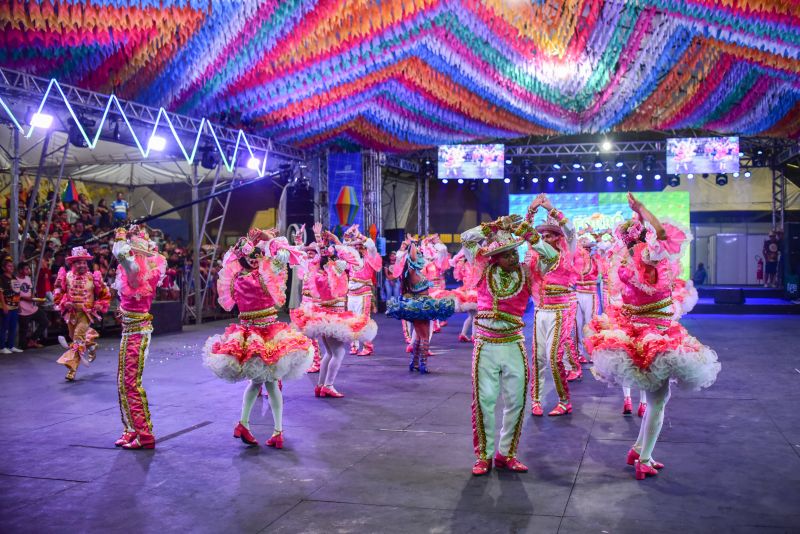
(609, 209)
(345, 185)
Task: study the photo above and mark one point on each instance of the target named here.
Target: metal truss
(323, 215)
(19, 85)
(373, 188)
(587, 149)
(423, 200)
(388, 160)
(778, 197)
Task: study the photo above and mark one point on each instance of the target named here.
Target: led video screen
(606, 210)
(703, 155)
(471, 162)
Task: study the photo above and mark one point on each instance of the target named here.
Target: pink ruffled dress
(259, 347)
(326, 314)
(465, 296)
(639, 344)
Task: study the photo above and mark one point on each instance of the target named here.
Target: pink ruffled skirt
(328, 321)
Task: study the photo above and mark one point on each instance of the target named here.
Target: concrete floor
(395, 454)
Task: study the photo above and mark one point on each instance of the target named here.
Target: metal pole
(198, 293)
(427, 203)
(14, 209)
(33, 195)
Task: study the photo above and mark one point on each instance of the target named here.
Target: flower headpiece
(551, 224)
(499, 242)
(78, 253)
(629, 231)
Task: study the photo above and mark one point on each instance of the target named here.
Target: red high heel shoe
(481, 467)
(367, 350)
(633, 456)
(313, 369)
(317, 390)
(561, 409)
(276, 441)
(572, 376)
(643, 470)
(330, 391)
(140, 442)
(582, 359)
(510, 463)
(463, 339)
(642, 409)
(536, 409)
(409, 348)
(353, 349)
(243, 433)
(627, 407)
(126, 437)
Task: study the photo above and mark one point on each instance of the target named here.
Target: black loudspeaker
(300, 207)
(729, 296)
(394, 238)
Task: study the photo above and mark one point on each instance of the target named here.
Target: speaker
(729, 296)
(300, 206)
(394, 238)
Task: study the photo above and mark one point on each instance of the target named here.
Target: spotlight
(522, 183)
(157, 143)
(609, 178)
(690, 176)
(674, 180)
(606, 145)
(486, 180)
(562, 183)
(550, 179)
(253, 163)
(557, 165)
(209, 159)
(736, 175)
(598, 163)
(41, 120)
(580, 178)
(461, 180)
(427, 162)
(656, 177)
(622, 182)
(508, 161)
(639, 176)
(473, 185)
(705, 175)
(507, 180)
(535, 180)
(75, 134)
(648, 163)
(759, 152)
(741, 154)
(747, 174)
(722, 179)
(445, 180)
(618, 163)
(576, 164)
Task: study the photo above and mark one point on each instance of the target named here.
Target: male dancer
(142, 269)
(586, 288)
(81, 296)
(554, 276)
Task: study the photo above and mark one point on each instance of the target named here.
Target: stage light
(473, 185)
(522, 183)
(759, 152)
(557, 165)
(690, 176)
(427, 162)
(41, 120)
(609, 178)
(157, 143)
(562, 183)
(722, 179)
(648, 163)
(253, 163)
(576, 164)
(736, 175)
(622, 182)
(598, 163)
(705, 175)
(550, 179)
(741, 154)
(674, 180)
(638, 176)
(508, 161)
(209, 159)
(115, 133)
(580, 178)
(656, 177)
(606, 145)
(747, 174)
(75, 134)
(507, 180)
(618, 163)
(461, 180)
(445, 180)
(486, 180)
(535, 180)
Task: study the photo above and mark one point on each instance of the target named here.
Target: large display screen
(703, 155)
(606, 210)
(471, 162)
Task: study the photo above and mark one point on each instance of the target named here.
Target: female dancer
(438, 261)
(416, 305)
(327, 319)
(466, 296)
(307, 300)
(360, 285)
(640, 344)
(260, 348)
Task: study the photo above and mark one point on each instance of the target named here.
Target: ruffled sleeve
(102, 296)
(225, 284)
(371, 256)
(670, 248)
(274, 281)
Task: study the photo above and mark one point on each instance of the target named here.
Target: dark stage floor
(395, 454)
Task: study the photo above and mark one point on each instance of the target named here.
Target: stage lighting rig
(722, 179)
(674, 180)
(76, 134)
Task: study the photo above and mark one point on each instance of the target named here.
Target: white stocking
(468, 323)
(652, 422)
(275, 404)
(336, 350)
(249, 398)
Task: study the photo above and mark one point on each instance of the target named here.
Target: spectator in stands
(120, 209)
(80, 235)
(9, 301)
(700, 275)
(4, 234)
(29, 312)
(43, 287)
(103, 214)
(86, 209)
(72, 213)
(391, 285)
